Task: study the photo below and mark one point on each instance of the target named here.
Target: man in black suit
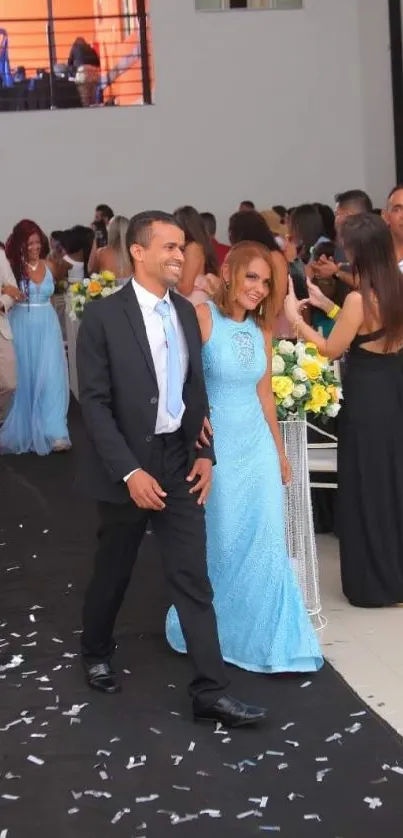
(143, 399)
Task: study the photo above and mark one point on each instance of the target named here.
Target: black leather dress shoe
(101, 677)
(230, 712)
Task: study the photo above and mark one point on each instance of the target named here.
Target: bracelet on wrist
(334, 312)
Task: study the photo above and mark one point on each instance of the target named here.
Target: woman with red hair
(38, 418)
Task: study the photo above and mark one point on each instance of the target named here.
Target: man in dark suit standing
(144, 401)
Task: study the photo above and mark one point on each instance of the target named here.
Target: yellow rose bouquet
(303, 382)
(82, 292)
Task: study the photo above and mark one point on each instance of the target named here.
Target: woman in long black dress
(370, 456)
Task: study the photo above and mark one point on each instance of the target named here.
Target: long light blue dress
(37, 420)
(262, 621)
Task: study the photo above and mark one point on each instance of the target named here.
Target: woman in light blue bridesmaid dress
(262, 621)
(37, 421)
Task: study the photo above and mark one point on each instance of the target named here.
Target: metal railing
(73, 62)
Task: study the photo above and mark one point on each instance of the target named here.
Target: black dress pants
(180, 532)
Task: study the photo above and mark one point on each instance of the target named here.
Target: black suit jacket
(119, 394)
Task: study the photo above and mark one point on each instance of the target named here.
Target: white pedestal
(300, 533)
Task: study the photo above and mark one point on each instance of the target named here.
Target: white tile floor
(364, 645)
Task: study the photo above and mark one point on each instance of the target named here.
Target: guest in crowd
(277, 226)
(100, 233)
(353, 202)
(103, 213)
(199, 276)
(328, 220)
(246, 206)
(370, 455)
(306, 232)
(37, 420)
(115, 256)
(85, 66)
(393, 215)
(251, 227)
(262, 622)
(9, 293)
(210, 223)
(77, 243)
(321, 319)
(282, 212)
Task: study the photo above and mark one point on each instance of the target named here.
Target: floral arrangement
(303, 382)
(86, 290)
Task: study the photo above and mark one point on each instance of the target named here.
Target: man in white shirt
(144, 401)
(9, 293)
(393, 215)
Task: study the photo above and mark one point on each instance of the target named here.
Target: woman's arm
(266, 396)
(205, 319)
(349, 321)
(280, 281)
(193, 266)
(93, 261)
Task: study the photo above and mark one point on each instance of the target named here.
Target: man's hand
(145, 491)
(325, 268)
(205, 434)
(203, 470)
(13, 292)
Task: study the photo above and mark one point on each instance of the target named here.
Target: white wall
(272, 106)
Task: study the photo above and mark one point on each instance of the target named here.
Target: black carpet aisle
(75, 764)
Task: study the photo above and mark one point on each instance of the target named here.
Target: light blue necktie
(175, 383)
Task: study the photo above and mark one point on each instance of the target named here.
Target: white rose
(299, 391)
(285, 347)
(288, 403)
(332, 410)
(300, 351)
(277, 365)
(86, 282)
(106, 292)
(299, 375)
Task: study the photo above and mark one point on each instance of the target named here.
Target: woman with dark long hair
(370, 456)
(37, 420)
(77, 243)
(200, 270)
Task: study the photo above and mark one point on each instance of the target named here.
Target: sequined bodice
(234, 361)
(43, 292)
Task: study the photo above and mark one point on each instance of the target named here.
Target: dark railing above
(90, 61)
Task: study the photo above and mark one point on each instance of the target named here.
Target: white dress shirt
(153, 322)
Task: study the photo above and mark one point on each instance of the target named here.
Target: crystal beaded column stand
(300, 533)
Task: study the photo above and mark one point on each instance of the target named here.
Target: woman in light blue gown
(37, 421)
(262, 621)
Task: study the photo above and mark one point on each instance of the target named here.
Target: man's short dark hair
(139, 230)
(210, 223)
(397, 188)
(106, 211)
(356, 199)
(249, 204)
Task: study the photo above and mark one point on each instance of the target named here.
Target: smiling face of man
(159, 260)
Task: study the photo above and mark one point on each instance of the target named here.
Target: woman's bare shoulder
(204, 316)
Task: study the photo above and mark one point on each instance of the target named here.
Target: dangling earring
(261, 309)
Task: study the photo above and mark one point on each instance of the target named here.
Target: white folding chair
(322, 459)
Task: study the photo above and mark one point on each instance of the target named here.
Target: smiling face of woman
(33, 249)
(253, 285)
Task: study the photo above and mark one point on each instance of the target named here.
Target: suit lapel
(187, 326)
(135, 317)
